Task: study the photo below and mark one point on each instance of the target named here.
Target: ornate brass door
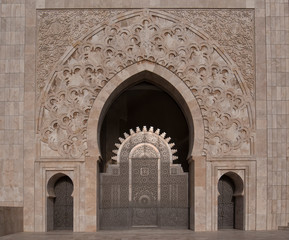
(226, 203)
(144, 188)
(63, 204)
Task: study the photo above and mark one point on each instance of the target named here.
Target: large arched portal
(144, 75)
(148, 187)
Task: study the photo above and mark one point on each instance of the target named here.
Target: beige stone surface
(12, 32)
(277, 76)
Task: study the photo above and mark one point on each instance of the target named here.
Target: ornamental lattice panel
(144, 188)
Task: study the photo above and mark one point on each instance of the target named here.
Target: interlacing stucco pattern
(147, 35)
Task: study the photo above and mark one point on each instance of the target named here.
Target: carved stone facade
(224, 97)
(224, 63)
(133, 41)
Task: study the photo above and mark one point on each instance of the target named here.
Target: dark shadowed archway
(145, 104)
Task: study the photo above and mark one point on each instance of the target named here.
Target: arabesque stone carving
(233, 30)
(60, 29)
(147, 35)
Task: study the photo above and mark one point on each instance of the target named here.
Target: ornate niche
(223, 88)
(143, 188)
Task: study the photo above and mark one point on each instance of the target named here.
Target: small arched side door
(60, 203)
(230, 202)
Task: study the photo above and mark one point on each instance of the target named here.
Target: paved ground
(153, 235)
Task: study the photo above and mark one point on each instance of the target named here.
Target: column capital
(196, 158)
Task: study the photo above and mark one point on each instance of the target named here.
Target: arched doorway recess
(60, 203)
(230, 202)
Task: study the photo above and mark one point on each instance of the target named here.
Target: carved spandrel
(233, 29)
(60, 29)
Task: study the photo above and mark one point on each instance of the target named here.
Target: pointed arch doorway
(60, 203)
(154, 189)
(230, 202)
(171, 84)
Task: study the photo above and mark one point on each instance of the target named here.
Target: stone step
(284, 228)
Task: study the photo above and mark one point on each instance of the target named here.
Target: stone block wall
(12, 39)
(277, 49)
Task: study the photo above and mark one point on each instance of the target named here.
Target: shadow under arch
(159, 76)
(59, 214)
(231, 201)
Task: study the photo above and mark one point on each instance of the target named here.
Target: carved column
(198, 189)
(191, 193)
(91, 190)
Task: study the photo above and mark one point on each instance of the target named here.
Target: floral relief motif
(233, 30)
(59, 29)
(146, 35)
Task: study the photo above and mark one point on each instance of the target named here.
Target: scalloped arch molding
(130, 39)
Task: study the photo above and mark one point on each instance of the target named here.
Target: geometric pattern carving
(147, 35)
(149, 190)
